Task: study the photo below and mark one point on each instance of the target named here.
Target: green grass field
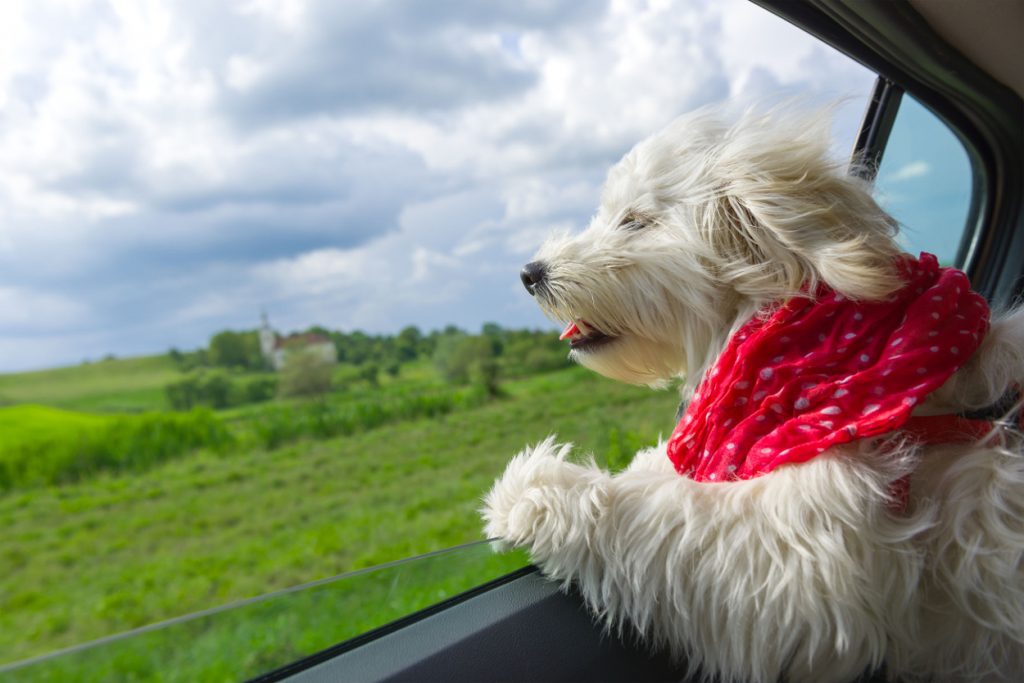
(116, 385)
(121, 549)
(26, 424)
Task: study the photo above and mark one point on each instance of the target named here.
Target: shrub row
(278, 425)
(128, 443)
(139, 442)
(217, 389)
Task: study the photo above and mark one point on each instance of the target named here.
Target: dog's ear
(783, 214)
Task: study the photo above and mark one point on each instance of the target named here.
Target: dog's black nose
(532, 275)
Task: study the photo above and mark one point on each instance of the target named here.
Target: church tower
(267, 338)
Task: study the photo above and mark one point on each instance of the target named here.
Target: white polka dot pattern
(843, 370)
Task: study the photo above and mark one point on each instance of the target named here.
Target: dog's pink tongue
(569, 331)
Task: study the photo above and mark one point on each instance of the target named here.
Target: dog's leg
(801, 574)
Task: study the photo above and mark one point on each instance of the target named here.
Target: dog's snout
(532, 275)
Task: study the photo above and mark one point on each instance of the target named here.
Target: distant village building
(276, 348)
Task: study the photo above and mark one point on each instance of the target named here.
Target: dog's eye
(633, 222)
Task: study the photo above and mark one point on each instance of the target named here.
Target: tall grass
(88, 559)
(139, 442)
(277, 425)
(130, 443)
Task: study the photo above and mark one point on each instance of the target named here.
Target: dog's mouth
(583, 336)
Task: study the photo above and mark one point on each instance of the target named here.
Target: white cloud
(146, 193)
(914, 169)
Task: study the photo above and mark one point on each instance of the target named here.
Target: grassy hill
(126, 548)
(116, 385)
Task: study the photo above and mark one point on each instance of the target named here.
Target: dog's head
(700, 225)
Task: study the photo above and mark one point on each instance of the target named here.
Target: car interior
(958, 62)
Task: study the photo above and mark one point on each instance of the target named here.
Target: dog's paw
(517, 507)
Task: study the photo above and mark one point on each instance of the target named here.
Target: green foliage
(493, 333)
(370, 374)
(258, 389)
(408, 343)
(621, 446)
(229, 349)
(252, 639)
(459, 358)
(194, 360)
(130, 443)
(527, 353)
(135, 545)
(218, 389)
(184, 394)
(279, 425)
(486, 373)
(305, 373)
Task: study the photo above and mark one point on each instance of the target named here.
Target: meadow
(271, 496)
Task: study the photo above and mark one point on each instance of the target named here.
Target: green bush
(461, 358)
(260, 389)
(277, 425)
(216, 389)
(184, 394)
(129, 443)
(306, 373)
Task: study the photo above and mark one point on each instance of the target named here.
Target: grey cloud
(394, 55)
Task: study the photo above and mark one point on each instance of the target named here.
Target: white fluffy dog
(809, 572)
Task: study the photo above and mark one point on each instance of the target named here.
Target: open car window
(206, 206)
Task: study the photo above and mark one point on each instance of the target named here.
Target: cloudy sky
(169, 169)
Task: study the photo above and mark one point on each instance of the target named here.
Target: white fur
(804, 573)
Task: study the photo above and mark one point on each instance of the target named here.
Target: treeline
(218, 389)
(240, 350)
(219, 376)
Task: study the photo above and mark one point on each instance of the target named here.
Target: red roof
(308, 339)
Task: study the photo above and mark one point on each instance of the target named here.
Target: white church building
(276, 348)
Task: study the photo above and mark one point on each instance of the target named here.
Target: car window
(249, 638)
(925, 182)
(260, 313)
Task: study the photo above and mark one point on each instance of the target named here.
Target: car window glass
(924, 181)
(261, 320)
(247, 639)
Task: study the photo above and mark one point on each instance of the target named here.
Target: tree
(407, 345)
(230, 349)
(486, 372)
(460, 358)
(183, 394)
(493, 333)
(260, 389)
(306, 373)
(216, 389)
(370, 372)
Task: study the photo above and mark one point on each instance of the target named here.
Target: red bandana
(813, 374)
